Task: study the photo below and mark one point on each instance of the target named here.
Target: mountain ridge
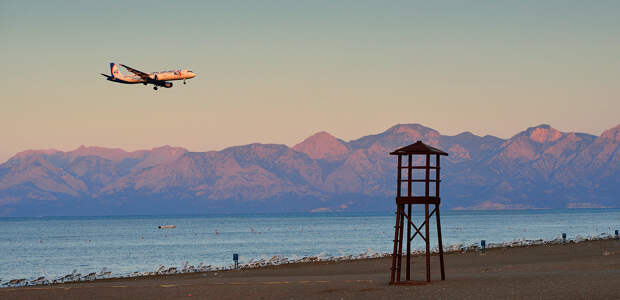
(539, 167)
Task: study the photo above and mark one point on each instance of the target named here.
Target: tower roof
(418, 148)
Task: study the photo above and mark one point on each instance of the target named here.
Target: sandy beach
(587, 270)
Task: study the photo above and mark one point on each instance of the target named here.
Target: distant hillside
(540, 167)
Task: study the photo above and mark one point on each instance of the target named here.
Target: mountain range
(539, 167)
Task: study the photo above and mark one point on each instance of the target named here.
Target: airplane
(156, 78)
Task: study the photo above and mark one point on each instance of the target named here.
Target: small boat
(166, 226)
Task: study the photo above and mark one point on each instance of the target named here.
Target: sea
(56, 246)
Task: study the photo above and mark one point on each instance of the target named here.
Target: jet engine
(167, 84)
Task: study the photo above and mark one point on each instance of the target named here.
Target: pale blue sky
(278, 71)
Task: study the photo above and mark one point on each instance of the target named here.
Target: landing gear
(155, 88)
(144, 83)
(184, 81)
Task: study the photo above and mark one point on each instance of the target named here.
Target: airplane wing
(139, 73)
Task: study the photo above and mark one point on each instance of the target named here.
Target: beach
(586, 270)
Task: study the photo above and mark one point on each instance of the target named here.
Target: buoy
(563, 238)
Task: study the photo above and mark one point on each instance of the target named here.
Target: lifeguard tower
(424, 153)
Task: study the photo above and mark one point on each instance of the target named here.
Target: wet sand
(588, 270)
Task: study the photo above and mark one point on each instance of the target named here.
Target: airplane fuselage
(163, 76)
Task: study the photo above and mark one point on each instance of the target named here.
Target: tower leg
(409, 243)
(428, 245)
(400, 239)
(395, 252)
(443, 274)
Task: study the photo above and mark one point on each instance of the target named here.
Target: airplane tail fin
(114, 72)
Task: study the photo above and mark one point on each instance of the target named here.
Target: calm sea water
(54, 246)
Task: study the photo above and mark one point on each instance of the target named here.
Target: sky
(279, 71)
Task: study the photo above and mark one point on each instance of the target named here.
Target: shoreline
(573, 270)
(279, 260)
(133, 246)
